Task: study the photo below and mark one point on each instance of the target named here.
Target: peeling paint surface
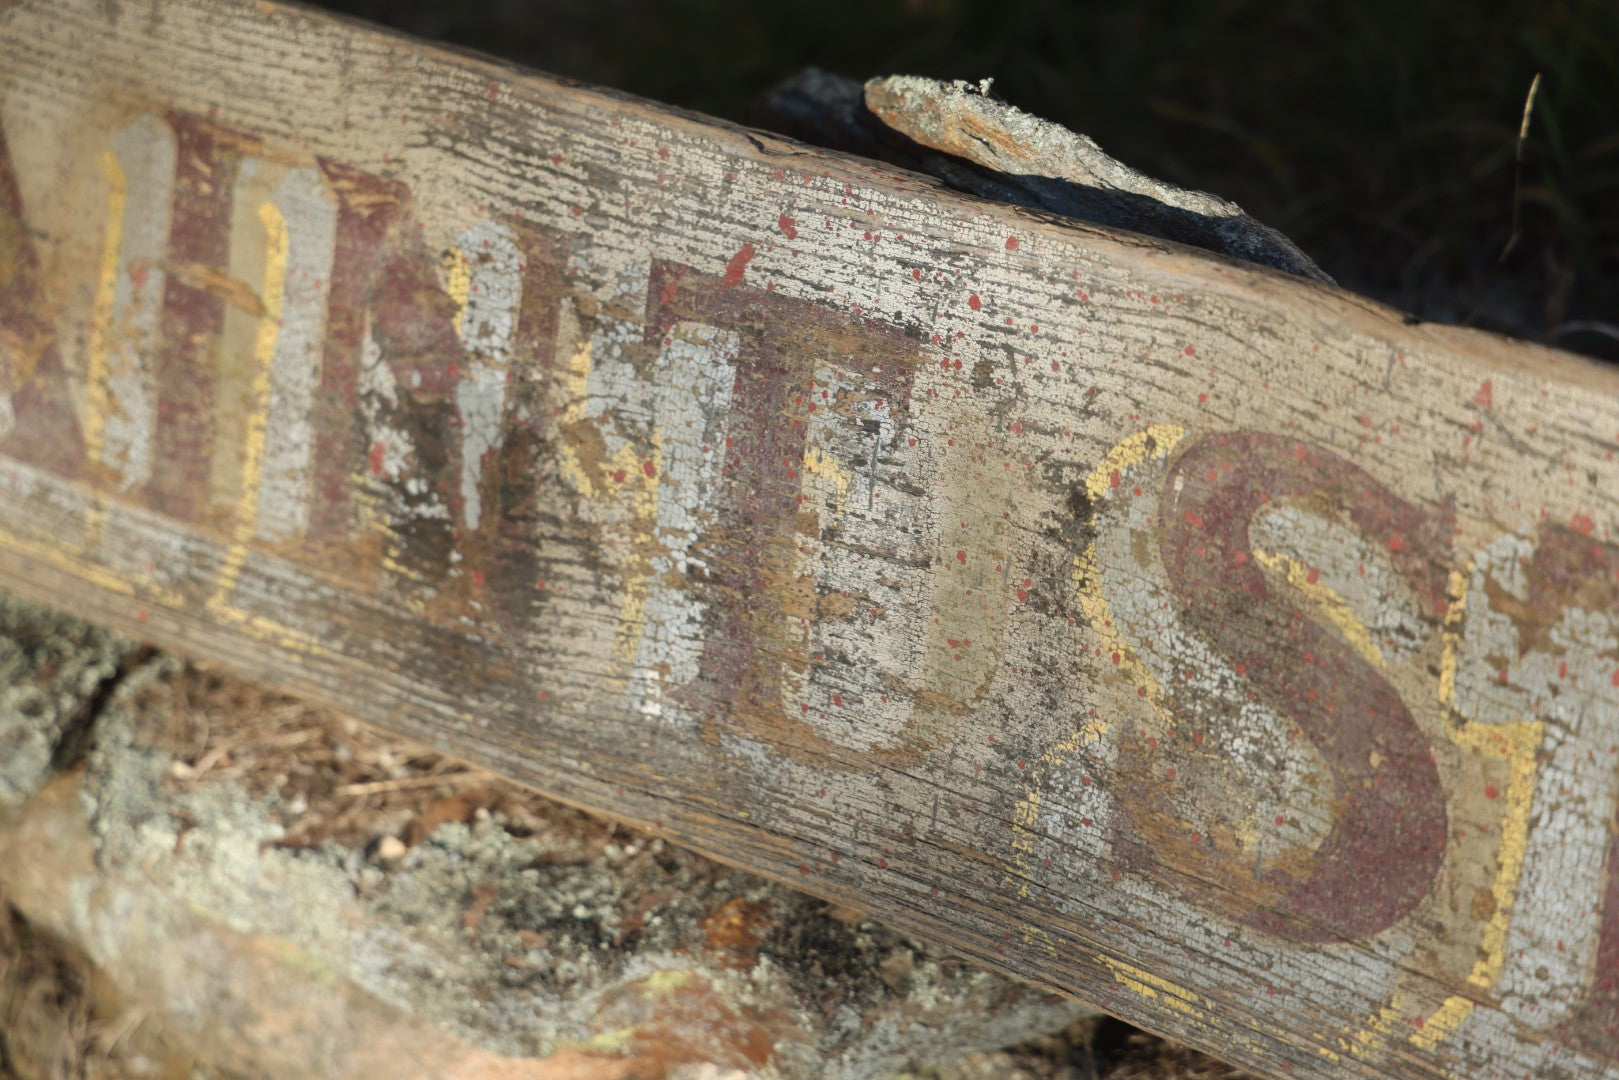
(1082, 603)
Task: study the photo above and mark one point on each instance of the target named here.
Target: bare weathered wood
(1203, 642)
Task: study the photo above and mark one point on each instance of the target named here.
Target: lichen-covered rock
(208, 862)
(52, 668)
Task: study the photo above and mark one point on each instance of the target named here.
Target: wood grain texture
(1204, 643)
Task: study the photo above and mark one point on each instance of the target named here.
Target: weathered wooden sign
(1202, 642)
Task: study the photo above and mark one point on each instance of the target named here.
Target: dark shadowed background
(1379, 134)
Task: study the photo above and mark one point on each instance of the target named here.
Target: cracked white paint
(693, 379)
(1282, 776)
(310, 213)
(1571, 689)
(1357, 572)
(489, 294)
(145, 152)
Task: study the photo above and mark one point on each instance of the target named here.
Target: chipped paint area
(1555, 669)
(310, 212)
(485, 282)
(120, 398)
(695, 379)
(1212, 730)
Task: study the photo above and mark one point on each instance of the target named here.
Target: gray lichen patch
(52, 667)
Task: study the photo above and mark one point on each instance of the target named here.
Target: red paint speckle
(1189, 351)
(738, 264)
(802, 869)
(1490, 791)
(1023, 596)
(1011, 243)
(1280, 820)
(1397, 542)
(378, 454)
(961, 556)
(788, 227)
(619, 476)
(1485, 395)
(837, 699)
(1581, 524)
(649, 468)
(973, 302)
(882, 864)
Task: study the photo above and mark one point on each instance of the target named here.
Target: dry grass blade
(1517, 170)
